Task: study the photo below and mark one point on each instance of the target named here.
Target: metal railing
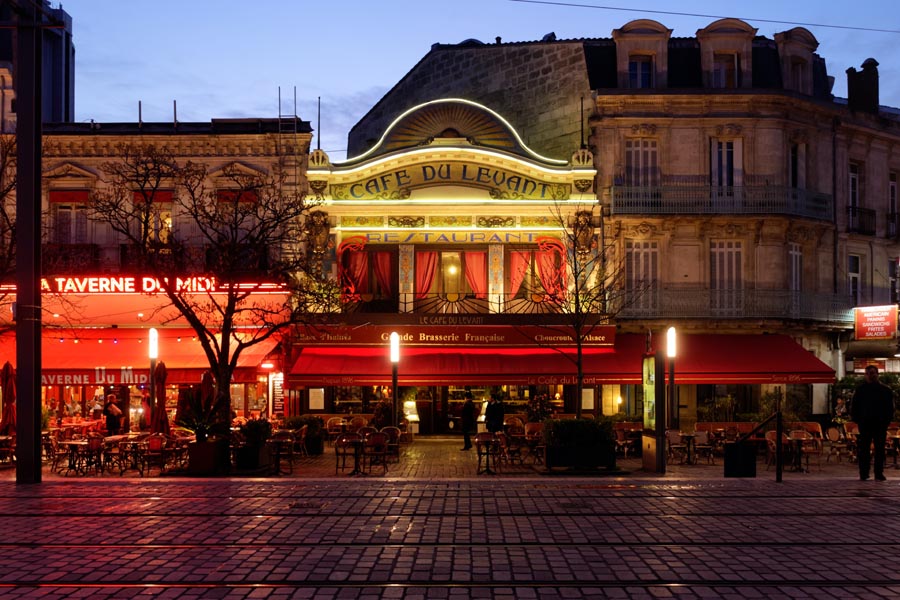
(860, 220)
(712, 200)
(746, 304)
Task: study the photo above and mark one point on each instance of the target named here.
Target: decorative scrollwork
(584, 185)
(319, 159)
(644, 129)
(318, 188)
(495, 221)
(406, 221)
(583, 158)
(729, 129)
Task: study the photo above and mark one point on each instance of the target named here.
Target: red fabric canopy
(702, 358)
(114, 356)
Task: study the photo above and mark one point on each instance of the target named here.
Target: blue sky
(227, 58)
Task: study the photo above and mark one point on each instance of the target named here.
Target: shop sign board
(875, 322)
(137, 284)
(529, 336)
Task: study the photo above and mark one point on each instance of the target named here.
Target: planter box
(580, 457)
(252, 458)
(208, 458)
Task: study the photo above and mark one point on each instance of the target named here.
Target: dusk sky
(227, 58)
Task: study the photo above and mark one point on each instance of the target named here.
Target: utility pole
(29, 22)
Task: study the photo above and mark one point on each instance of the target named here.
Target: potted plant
(253, 454)
(315, 432)
(206, 416)
(538, 408)
(579, 443)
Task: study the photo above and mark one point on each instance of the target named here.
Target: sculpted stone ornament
(583, 230)
(406, 221)
(495, 221)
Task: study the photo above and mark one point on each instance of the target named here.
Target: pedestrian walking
(468, 420)
(872, 410)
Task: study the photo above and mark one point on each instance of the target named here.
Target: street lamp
(153, 351)
(670, 353)
(395, 360)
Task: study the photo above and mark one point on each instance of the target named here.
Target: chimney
(862, 87)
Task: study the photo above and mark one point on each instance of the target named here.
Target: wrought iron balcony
(738, 304)
(712, 200)
(860, 220)
(70, 258)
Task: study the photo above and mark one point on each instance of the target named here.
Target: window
(726, 172)
(536, 275)
(795, 276)
(640, 71)
(893, 229)
(726, 71)
(159, 215)
(854, 277)
(642, 274)
(798, 75)
(892, 280)
(726, 277)
(69, 216)
(797, 167)
(641, 163)
(854, 186)
(451, 280)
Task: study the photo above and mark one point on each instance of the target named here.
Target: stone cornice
(193, 145)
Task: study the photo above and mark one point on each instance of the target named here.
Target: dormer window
(798, 75)
(726, 71)
(640, 72)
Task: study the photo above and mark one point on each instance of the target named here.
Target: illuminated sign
(462, 336)
(454, 237)
(875, 322)
(142, 285)
(393, 184)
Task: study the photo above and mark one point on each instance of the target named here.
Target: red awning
(724, 358)
(120, 356)
(702, 358)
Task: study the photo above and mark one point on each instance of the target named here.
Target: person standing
(872, 410)
(468, 420)
(112, 413)
(493, 415)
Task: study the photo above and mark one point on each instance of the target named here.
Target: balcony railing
(738, 304)
(712, 200)
(70, 258)
(860, 220)
(650, 304)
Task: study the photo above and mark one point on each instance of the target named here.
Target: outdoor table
(76, 449)
(486, 448)
(357, 454)
(688, 439)
(798, 454)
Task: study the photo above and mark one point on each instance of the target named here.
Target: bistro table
(76, 451)
(487, 447)
(688, 439)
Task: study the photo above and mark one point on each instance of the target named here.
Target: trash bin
(740, 460)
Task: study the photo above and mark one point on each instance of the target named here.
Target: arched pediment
(236, 169)
(799, 35)
(69, 170)
(727, 26)
(451, 122)
(644, 26)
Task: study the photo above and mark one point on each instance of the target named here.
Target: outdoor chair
(365, 430)
(375, 451)
(510, 451)
(836, 446)
(488, 451)
(334, 427)
(300, 441)
(153, 454)
(675, 448)
(56, 454)
(393, 448)
(703, 447)
(534, 439)
(355, 424)
(114, 457)
(624, 445)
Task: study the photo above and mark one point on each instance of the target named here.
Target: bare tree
(580, 282)
(215, 240)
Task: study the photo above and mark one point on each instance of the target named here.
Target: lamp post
(153, 352)
(670, 353)
(395, 360)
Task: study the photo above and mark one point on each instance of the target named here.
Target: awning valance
(120, 356)
(702, 358)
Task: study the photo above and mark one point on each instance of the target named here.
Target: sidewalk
(431, 528)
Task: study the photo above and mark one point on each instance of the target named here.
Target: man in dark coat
(872, 409)
(468, 420)
(493, 415)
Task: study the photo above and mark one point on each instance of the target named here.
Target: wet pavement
(432, 528)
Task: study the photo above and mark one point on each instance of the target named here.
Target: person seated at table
(112, 413)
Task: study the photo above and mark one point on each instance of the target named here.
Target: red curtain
(356, 273)
(383, 272)
(476, 273)
(550, 270)
(425, 265)
(518, 266)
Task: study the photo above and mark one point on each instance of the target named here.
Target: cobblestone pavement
(431, 528)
